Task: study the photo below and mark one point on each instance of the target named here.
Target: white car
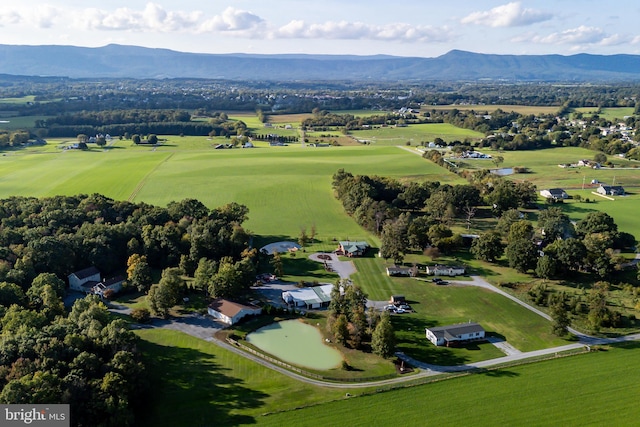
(400, 311)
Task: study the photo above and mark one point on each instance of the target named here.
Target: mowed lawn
(598, 388)
(196, 383)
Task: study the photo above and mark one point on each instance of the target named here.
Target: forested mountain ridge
(139, 62)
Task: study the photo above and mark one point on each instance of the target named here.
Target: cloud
(345, 30)
(232, 20)
(43, 16)
(508, 15)
(581, 35)
(152, 18)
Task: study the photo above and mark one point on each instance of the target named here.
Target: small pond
(296, 342)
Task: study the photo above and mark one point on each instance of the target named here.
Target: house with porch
(84, 280)
(444, 270)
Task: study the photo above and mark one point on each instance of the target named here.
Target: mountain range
(119, 61)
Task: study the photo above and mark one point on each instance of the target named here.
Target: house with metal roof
(312, 297)
(351, 249)
(452, 335)
(231, 312)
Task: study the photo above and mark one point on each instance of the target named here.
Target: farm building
(611, 190)
(444, 270)
(554, 193)
(352, 249)
(394, 270)
(452, 335)
(314, 297)
(84, 280)
(231, 312)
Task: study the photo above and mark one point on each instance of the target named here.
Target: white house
(84, 280)
(554, 193)
(444, 270)
(313, 297)
(394, 270)
(611, 190)
(231, 312)
(452, 335)
(114, 284)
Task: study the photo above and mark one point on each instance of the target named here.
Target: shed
(398, 299)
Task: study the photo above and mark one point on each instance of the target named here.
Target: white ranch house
(231, 312)
(444, 270)
(554, 193)
(452, 335)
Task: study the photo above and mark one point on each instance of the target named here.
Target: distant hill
(138, 62)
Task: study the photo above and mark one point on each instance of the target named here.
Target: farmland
(547, 393)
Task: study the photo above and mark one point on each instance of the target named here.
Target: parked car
(400, 311)
(390, 307)
(405, 307)
(436, 280)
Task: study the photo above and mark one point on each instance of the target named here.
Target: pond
(296, 342)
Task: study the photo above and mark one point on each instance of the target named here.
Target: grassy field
(415, 134)
(522, 109)
(571, 391)
(196, 383)
(609, 113)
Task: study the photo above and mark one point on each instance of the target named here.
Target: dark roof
(87, 272)
(113, 280)
(461, 328)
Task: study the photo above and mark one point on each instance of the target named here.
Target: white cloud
(233, 20)
(508, 15)
(152, 18)
(579, 37)
(345, 30)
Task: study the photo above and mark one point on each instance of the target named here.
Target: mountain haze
(138, 62)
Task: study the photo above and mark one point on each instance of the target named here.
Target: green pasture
(415, 134)
(21, 100)
(597, 388)
(195, 382)
(20, 122)
(522, 109)
(609, 113)
(285, 188)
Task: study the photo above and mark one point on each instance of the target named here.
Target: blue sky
(421, 28)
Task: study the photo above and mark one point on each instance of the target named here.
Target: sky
(418, 28)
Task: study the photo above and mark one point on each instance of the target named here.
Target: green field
(522, 109)
(415, 134)
(196, 383)
(598, 388)
(609, 113)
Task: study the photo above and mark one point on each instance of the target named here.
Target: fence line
(302, 371)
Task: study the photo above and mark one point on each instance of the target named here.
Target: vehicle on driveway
(401, 311)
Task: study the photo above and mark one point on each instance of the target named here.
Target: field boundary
(602, 195)
(302, 371)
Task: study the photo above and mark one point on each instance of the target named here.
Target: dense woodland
(84, 356)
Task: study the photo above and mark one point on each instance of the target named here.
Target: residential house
(351, 249)
(452, 335)
(444, 270)
(394, 270)
(554, 194)
(610, 190)
(84, 280)
(231, 312)
(114, 284)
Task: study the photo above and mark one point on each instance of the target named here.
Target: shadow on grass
(189, 389)
(497, 373)
(411, 340)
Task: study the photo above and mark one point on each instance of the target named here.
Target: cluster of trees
(83, 358)
(14, 138)
(323, 120)
(351, 325)
(556, 249)
(111, 117)
(63, 234)
(418, 215)
(274, 138)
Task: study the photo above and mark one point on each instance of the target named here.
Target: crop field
(522, 109)
(570, 391)
(415, 134)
